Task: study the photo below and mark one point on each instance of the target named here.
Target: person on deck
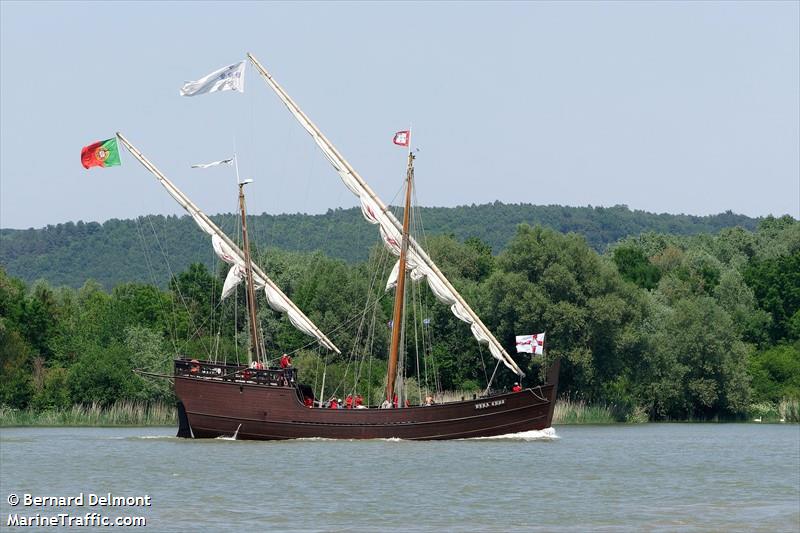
(348, 402)
(516, 388)
(394, 401)
(286, 361)
(308, 401)
(333, 404)
(359, 402)
(386, 404)
(429, 400)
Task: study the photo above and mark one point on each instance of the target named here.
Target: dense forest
(113, 252)
(673, 326)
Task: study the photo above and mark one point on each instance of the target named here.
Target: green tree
(148, 353)
(556, 283)
(636, 267)
(776, 373)
(733, 295)
(102, 375)
(696, 365)
(16, 387)
(54, 393)
(37, 319)
(776, 285)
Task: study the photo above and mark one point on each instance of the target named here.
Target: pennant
(230, 78)
(532, 344)
(402, 138)
(101, 154)
(213, 163)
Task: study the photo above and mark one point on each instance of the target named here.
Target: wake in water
(535, 434)
(142, 437)
(235, 434)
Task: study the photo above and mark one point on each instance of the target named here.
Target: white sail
(376, 212)
(236, 274)
(227, 250)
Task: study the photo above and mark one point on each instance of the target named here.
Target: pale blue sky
(678, 107)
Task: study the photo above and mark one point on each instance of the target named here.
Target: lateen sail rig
(227, 250)
(376, 212)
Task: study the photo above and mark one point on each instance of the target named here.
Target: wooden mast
(255, 352)
(208, 226)
(348, 173)
(397, 320)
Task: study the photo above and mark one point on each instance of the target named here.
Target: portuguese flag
(101, 154)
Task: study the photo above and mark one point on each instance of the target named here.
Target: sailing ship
(254, 402)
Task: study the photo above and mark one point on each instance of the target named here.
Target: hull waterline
(215, 407)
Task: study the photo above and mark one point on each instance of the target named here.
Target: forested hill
(135, 250)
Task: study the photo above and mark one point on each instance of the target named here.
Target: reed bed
(571, 411)
(789, 410)
(123, 413)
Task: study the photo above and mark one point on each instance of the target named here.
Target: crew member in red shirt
(359, 400)
(516, 388)
(334, 404)
(286, 361)
(394, 401)
(348, 402)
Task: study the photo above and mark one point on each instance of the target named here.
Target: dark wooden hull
(214, 408)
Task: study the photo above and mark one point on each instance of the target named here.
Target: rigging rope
(145, 250)
(483, 364)
(422, 238)
(416, 338)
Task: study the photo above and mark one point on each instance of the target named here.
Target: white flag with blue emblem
(230, 78)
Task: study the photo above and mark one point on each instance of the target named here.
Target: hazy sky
(682, 107)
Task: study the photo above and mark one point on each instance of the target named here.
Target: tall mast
(276, 298)
(255, 352)
(397, 320)
(360, 188)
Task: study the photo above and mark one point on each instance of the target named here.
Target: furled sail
(227, 250)
(376, 212)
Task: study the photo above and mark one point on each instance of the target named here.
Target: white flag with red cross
(533, 344)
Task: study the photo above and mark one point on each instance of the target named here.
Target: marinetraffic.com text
(72, 517)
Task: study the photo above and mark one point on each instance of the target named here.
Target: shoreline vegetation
(122, 413)
(658, 326)
(568, 411)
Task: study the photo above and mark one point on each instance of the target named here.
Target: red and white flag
(533, 344)
(401, 138)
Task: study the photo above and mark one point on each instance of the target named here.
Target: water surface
(655, 477)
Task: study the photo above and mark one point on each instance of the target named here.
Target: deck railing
(278, 377)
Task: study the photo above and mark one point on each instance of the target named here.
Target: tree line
(699, 326)
(112, 253)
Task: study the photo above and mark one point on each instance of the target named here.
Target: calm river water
(654, 477)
